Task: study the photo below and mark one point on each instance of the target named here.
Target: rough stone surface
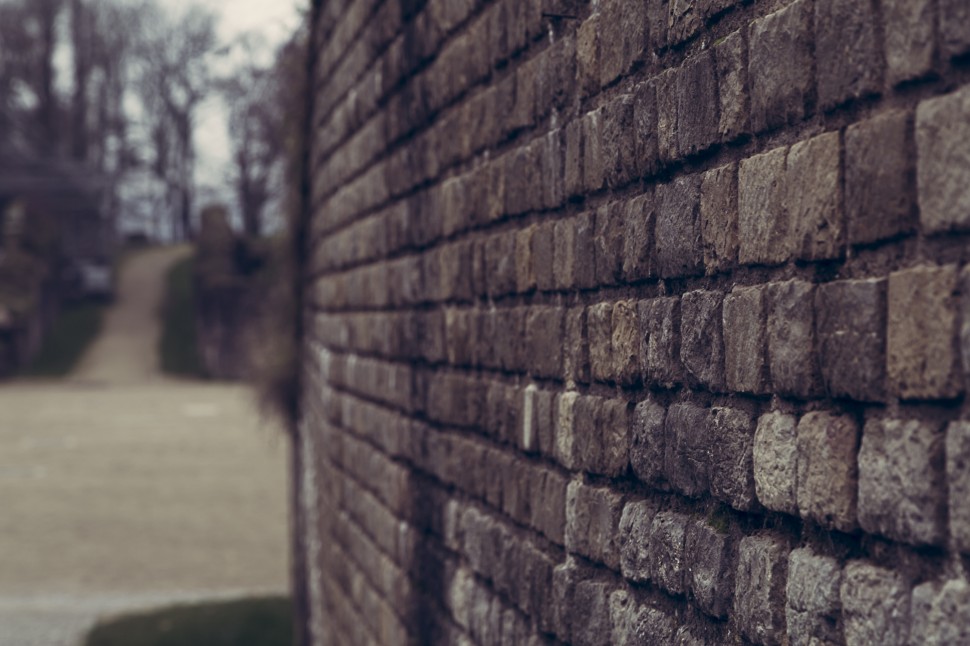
(625, 345)
(636, 525)
(710, 575)
(687, 449)
(921, 356)
(941, 613)
(678, 229)
(660, 341)
(647, 442)
(781, 92)
(697, 104)
(719, 218)
(592, 522)
(910, 42)
(958, 483)
(668, 564)
(901, 480)
(813, 189)
(759, 589)
(954, 15)
(943, 167)
(775, 461)
(813, 608)
(851, 326)
(792, 356)
(875, 605)
(879, 174)
(827, 471)
(744, 340)
(701, 341)
(730, 57)
(639, 220)
(764, 226)
(849, 62)
(732, 473)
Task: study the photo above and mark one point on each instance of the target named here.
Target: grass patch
(247, 622)
(178, 349)
(75, 330)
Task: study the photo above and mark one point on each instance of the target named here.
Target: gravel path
(122, 489)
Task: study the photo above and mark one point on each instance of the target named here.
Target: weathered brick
(592, 522)
(958, 483)
(543, 254)
(618, 146)
(940, 613)
(697, 104)
(625, 347)
(573, 240)
(549, 510)
(909, 38)
(608, 242)
(759, 589)
(954, 17)
(564, 413)
(710, 575)
(660, 341)
(921, 359)
(814, 607)
(875, 605)
(665, 86)
(719, 218)
(764, 227)
(587, 55)
(792, 358)
(780, 66)
(573, 161)
(687, 449)
(645, 134)
(525, 273)
(943, 168)
(599, 319)
(879, 178)
(901, 488)
(745, 365)
(827, 472)
(668, 566)
(638, 229)
(544, 336)
(601, 435)
(576, 348)
(814, 197)
(850, 321)
(552, 156)
(701, 344)
(775, 454)
(731, 431)
(636, 622)
(647, 442)
(678, 229)
(730, 58)
(684, 19)
(849, 61)
(964, 337)
(635, 525)
(595, 153)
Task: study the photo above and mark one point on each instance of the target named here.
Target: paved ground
(122, 489)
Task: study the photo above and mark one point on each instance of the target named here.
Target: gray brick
(599, 319)
(851, 327)
(697, 104)
(601, 435)
(543, 251)
(780, 66)
(875, 605)
(775, 461)
(619, 148)
(609, 243)
(595, 157)
(639, 623)
(719, 218)
(660, 341)
(732, 474)
(745, 340)
(730, 57)
(687, 449)
(943, 170)
(573, 240)
(666, 91)
(668, 565)
(954, 18)
(814, 607)
(764, 228)
(544, 336)
(525, 274)
(921, 359)
(940, 613)
(647, 442)
(573, 162)
(592, 522)
(849, 61)
(759, 588)
(958, 483)
(879, 178)
(814, 197)
(827, 472)
(576, 348)
(645, 134)
(625, 346)
(678, 229)
(901, 488)
(564, 428)
(909, 38)
(702, 346)
(638, 220)
(710, 576)
(792, 356)
(635, 526)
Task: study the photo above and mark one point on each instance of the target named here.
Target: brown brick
(780, 66)
(879, 178)
(764, 226)
(921, 359)
(827, 472)
(813, 187)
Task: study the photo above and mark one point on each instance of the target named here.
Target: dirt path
(123, 489)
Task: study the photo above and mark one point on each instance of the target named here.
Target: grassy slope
(247, 622)
(73, 332)
(177, 347)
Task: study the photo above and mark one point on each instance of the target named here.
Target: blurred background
(146, 150)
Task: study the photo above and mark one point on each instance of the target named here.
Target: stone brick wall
(637, 321)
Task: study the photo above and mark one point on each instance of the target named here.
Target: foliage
(248, 622)
(178, 349)
(72, 334)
